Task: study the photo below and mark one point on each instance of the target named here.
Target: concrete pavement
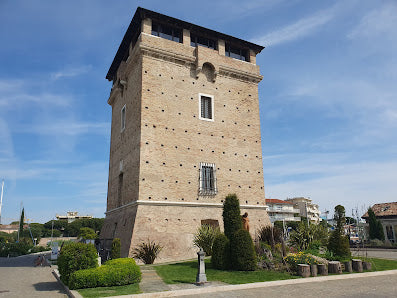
(19, 278)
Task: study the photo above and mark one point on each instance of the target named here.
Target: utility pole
(1, 198)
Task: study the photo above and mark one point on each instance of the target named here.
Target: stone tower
(185, 133)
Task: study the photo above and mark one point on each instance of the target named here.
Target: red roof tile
(277, 201)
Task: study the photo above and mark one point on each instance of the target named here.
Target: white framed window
(123, 118)
(206, 107)
(207, 182)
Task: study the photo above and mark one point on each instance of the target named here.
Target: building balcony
(282, 210)
(278, 217)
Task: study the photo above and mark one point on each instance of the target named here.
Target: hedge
(76, 256)
(115, 272)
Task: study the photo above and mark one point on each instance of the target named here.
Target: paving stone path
(19, 278)
(151, 282)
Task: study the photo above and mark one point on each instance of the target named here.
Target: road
(19, 278)
(377, 286)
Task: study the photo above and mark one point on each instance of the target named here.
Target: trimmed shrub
(147, 252)
(115, 253)
(232, 221)
(116, 272)
(205, 237)
(221, 252)
(76, 256)
(242, 251)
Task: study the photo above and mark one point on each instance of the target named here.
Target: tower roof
(133, 32)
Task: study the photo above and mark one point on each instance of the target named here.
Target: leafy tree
(14, 223)
(338, 243)
(375, 226)
(74, 227)
(59, 225)
(87, 233)
(292, 224)
(231, 215)
(350, 220)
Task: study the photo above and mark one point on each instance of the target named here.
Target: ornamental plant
(205, 237)
(293, 259)
(147, 252)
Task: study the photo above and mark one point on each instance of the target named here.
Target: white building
(306, 208)
(280, 210)
(72, 216)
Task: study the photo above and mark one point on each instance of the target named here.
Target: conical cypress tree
(375, 226)
(231, 215)
(21, 221)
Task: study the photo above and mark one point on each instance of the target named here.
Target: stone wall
(164, 142)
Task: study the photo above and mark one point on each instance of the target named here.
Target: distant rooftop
(383, 210)
(277, 201)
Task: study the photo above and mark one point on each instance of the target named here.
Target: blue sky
(327, 100)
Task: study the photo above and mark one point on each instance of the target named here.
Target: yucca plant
(147, 252)
(205, 237)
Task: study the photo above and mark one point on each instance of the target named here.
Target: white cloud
(381, 22)
(66, 128)
(71, 72)
(15, 94)
(297, 30)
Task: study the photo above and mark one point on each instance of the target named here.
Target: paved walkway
(19, 278)
(390, 254)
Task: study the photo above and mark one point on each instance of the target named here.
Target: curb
(70, 293)
(265, 284)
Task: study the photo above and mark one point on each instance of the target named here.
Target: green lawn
(382, 264)
(110, 291)
(186, 273)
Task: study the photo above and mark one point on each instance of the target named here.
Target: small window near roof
(236, 52)
(206, 107)
(167, 32)
(196, 40)
(123, 118)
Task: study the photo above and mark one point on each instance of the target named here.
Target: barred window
(207, 181)
(206, 106)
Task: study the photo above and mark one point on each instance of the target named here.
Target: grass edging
(69, 292)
